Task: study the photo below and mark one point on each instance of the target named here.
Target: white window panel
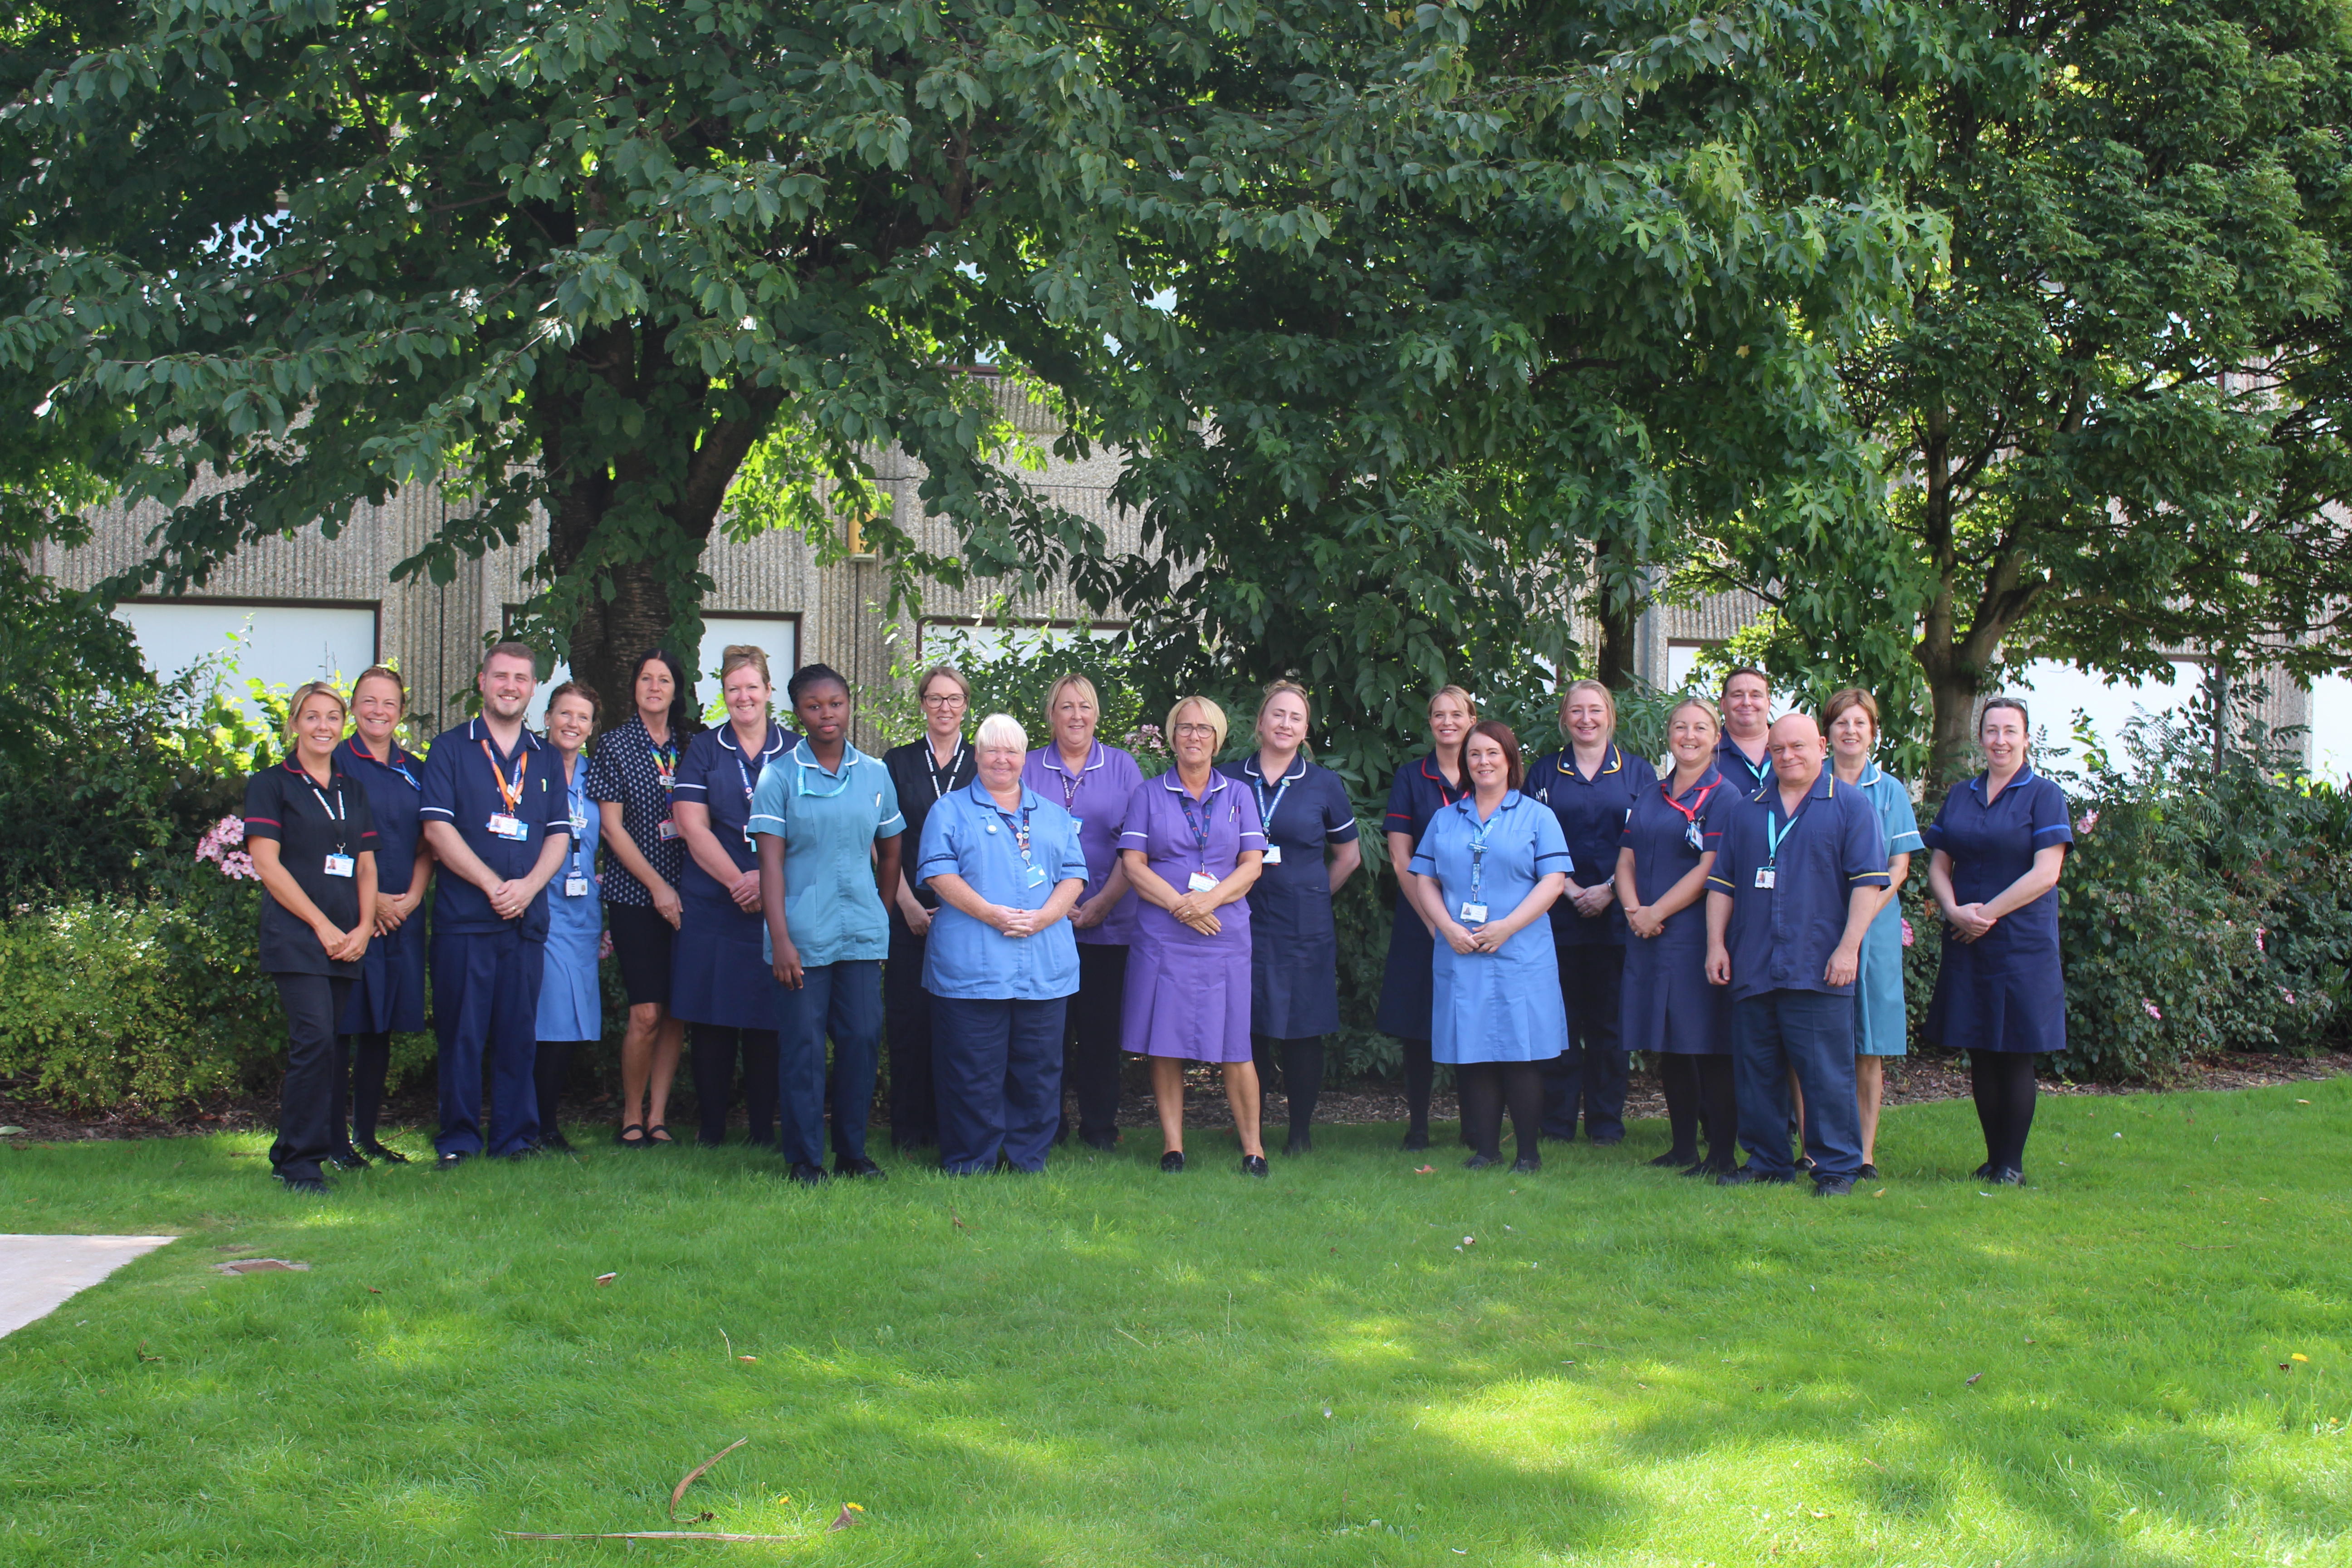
(2054, 691)
(281, 646)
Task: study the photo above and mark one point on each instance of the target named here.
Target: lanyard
(1019, 831)
(665, 758)
(512, 796)
(1691, 835)
(1070, 782)
(1200, 826)
(1773, 837)
(339, 814)
(1478, 831)
(942, 783)
(578, 802)
(1265, 812)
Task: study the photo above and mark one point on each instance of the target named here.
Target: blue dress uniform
(1669, 1009)
(998, 1001)
(1293, 943)
(1419, 792)
(570, 999)
(486, 970)
(2005, 991)
(1790, 879)
(829, 822)
(1882, 1025)
(1593, 812)
(1501, 1006)
(388, 997)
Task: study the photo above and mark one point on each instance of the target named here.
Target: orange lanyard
(512, 795)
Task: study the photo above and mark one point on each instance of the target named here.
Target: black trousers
(713, 1047)
(551, 1068)
(2004, 1088)
(1590, 1076)
(305, 1100)
(1699, 1091)
(1090, 1041)
(362, 1063)
(907, 1031)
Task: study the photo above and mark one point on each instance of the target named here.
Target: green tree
(2115, 426)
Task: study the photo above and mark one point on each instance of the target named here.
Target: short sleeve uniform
(1188, 995)
(1785, 925)
(1293, 943)
(1502, 1006)
(719, 973)
(1667, 1005)
(1881, 1025)
(1419, 792)
(629, 771)
(922, 783)
(1095, 797)
(1744, 776)
(570, 999)
(309, 824)
(1018, 859)
(462, 787)
(390, 992)
(830, 821)
(1592, 812)
(2005, 991)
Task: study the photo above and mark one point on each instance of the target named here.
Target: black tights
(1484, 1087)
(1699, 1092)
(1420, 1074)
(551, 1066)
(362, 1064)
(713, 1048)
(1302, 1077)
(2003, 1082)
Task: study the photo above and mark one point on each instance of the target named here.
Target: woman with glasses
(924, 772)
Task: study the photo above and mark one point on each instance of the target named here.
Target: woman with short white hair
(1001, 961)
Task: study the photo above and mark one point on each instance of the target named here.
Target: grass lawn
(1109, 1366)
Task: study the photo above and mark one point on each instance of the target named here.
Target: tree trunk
(1618, 613)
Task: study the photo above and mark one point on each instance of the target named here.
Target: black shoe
(1103, 1142)
(1300, 1143)
(528, 1151)
(1480, 1162)
(1804, 1161)
(1253, 1165)
(1606, 1140)
(378, 1151)
(1673, 1157)
(1868, 1172)
(1415, 1140)
(1833, 1187)
(1983, 1170)
(860, 1166)
(1749, 1176)
(625, 1142)
(452, 1159)
(664, 1141)
(1173, 1161)
(808, 1175)
(556, 1143)
(2008, 1177)
(1526, 1166)
(314, 1186)
(347, 1160)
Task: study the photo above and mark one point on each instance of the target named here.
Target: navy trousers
(998, 1064)
(1811, 1033)
(308, 1128)
(1590, 1076)
(843, 1000)
(486, 1002)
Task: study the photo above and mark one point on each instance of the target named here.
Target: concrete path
(38, 1274)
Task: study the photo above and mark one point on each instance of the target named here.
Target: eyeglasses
(1208, 729)
(945, 699)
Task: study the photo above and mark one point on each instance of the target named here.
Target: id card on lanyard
(1199, 881)
(339, 863)
(507, 824)
(1767, 875)
(575, 881)
(1691, 834)
(1266, 812)
(1474, 907)
(666, 773)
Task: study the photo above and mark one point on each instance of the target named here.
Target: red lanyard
(1690, 813)
(512, 795)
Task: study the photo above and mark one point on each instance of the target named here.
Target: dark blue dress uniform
(2005, 991)
(486, 970)
(1293, 944)
(1669, 1009)
(320, 834)
(1790, 880)
(1590, 1076)
(1408, 986)
(1744, 776)
(388, 996)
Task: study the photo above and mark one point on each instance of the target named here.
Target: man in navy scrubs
(1740, 756)
(1786, 908)
(499, 818)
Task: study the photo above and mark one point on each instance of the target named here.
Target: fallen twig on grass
(696, 1474)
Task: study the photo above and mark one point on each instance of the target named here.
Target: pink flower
(237, 866)
(2290, 997)
(2151, 1009)
(220, 838)
(1908, 936)
(605, 948)
(2258, 940)
(2090, 820)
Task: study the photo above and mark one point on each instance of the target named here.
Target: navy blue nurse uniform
(2005, 991)
(1744, 776)
(1792, 880)
(719, 973)
(1293, 944)
(1669, 1008)
(389, 994)
(1408, 985)
(486, 970)
(1590, 1076)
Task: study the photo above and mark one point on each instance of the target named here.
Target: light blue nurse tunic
(1881, 1025)
(968, 834)
(829, 822)
(1500, 1006)
(571, 1002)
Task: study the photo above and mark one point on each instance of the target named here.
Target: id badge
(575, 887)
(1692, 837)
(667, 831)
(512, 827)
(1764, 877)
(1201, 882)
(341, 866)
(1077, 825)
(1473, 914)
(1273, 855)
(1034, 877)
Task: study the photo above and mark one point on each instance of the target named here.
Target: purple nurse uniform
(1188, 995)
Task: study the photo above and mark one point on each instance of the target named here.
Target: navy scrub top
(1782, 937)
(1408, 991)
(310, 823)
(1293, 943)
(390, 994)
(1659, 836)
(2006, 991)
(1592, 816)
(461, 789)
(1744, 777)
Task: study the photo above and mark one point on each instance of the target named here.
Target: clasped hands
(1195, 910)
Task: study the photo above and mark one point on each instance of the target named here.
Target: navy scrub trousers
(1591, 1075)
(485, 1003)
(844, 1000)
(1809, 1033)
(307, 1129)
(998, 1064)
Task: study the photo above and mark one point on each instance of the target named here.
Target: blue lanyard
(1265, 812)
(1200, 827)
(403, 773)
(578, 802)
(1772, 836)
(1478, 831)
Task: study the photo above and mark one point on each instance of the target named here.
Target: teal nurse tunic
(1500, 1006)
(1882, 1027)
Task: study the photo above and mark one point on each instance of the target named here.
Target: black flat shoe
(556, 1143)
(1253, 1165)
(2010, 1177)
(1103, 1142)
(1480, 1162)
(1749, 1176)
(1833, 1187)
(1983, 1170)
(452, 1159)
(664, 1141)
(625, 1142)
(1416, 1140)
(1173, 1161)
(316, 1186)
(1526, 1166)
(1710, 1168)
(860, 1167)
(1673, 1157)
(1300, 1143)
(1868, 1172)
(808, 1175)
(347, 1160)
(378, 1151)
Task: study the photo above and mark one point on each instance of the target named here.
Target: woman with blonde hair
(1422, 788)
(925, 771)
(1192, 845)
(1311, 850)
